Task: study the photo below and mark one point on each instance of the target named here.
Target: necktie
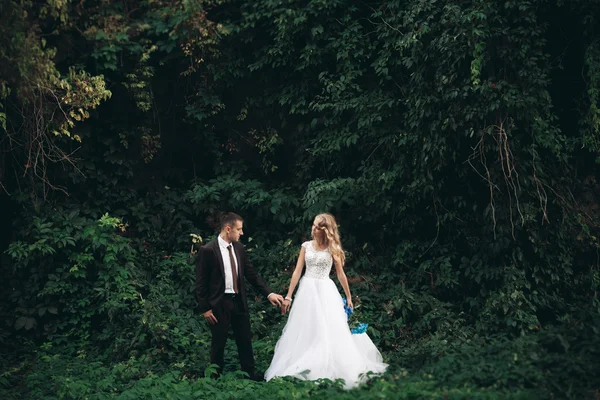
(233, 269)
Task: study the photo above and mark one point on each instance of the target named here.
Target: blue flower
(361, 328)
(347, 309)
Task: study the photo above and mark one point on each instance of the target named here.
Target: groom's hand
(276, 299)
(210, 317)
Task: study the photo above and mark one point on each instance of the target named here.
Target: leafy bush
(70, 273)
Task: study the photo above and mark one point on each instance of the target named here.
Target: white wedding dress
(316, 341)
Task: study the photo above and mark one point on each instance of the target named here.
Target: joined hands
(285, 306)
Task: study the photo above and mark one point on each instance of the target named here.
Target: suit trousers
(231, 313)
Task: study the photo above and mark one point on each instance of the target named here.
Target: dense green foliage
(457, 143)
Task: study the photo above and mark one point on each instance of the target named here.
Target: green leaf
(20, 323)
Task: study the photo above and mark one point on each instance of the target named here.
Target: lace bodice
(318, 262)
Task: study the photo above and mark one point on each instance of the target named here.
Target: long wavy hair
(331, 237)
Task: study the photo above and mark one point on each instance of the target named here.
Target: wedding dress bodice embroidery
(318, 262)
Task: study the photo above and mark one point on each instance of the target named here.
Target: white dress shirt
(227, 264)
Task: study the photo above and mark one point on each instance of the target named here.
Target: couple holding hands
(316, 341)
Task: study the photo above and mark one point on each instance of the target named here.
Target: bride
(316, 341)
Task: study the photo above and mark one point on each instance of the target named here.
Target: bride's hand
(349, 303)
(285, 307)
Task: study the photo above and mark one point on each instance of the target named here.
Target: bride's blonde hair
(331, 237)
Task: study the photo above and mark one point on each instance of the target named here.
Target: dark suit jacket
(210, 276)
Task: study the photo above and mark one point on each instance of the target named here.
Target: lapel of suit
(219, 257)
(238, 251)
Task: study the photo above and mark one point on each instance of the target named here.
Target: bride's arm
(297, 273)
(287, 302)
(341, 275)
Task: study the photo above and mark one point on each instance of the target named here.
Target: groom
(221, 267)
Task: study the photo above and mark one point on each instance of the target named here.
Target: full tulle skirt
(317, 343)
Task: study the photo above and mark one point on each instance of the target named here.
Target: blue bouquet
(355, 326)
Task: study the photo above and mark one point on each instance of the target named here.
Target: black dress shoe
(257, 377)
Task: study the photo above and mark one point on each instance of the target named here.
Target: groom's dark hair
(229, 218)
